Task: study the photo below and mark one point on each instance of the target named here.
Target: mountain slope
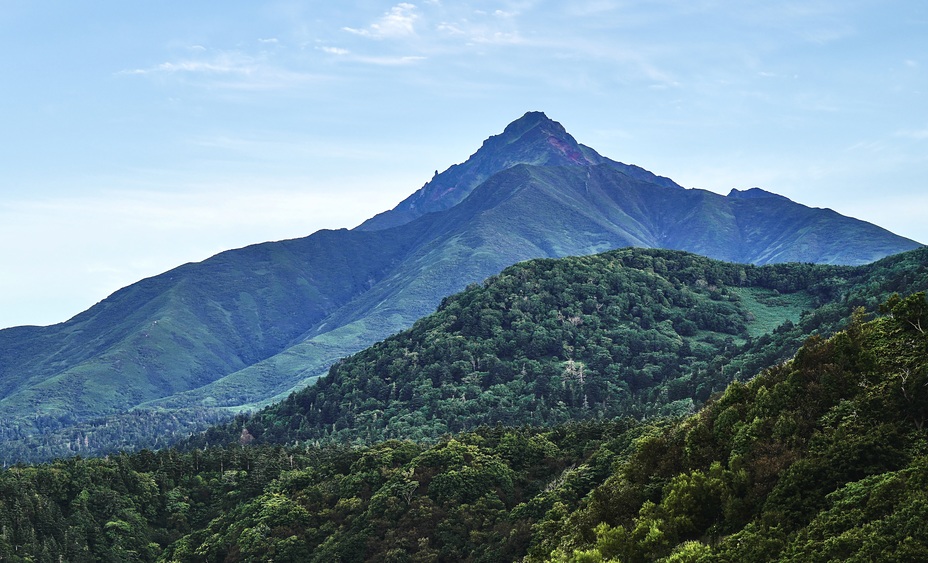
(248, 326)
(182, 328)
(632, 332)
(818, 459)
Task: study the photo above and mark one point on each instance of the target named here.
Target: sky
(137, 136)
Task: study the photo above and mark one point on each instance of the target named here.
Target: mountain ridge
(248, 326)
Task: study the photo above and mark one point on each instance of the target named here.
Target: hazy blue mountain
(249, 325)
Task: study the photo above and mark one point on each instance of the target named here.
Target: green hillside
(820, 458)
(626, 333)
(633, 332)
(520, 213)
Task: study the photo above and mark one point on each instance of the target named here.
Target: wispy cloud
(335, 51)
(391, 61)
(232, 70)
(505, 14)
(377, 60)
(400, 21)
(591, 8)
(223, 63)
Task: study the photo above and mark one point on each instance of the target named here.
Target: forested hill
(633, 332)
(821, 458)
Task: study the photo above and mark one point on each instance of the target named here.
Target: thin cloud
(594, 8)
(450, 29)
(399, 22)
(497, 38)
(225, 63)
(482, 28)
(391, 61)
(231, 70)
(380, 60)
(335, 51)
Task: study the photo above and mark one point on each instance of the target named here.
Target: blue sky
(139, 136)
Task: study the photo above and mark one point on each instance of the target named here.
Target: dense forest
(820, 458)
(632, 332)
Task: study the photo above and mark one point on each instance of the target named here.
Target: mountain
(818, 458)
(533, 139)
(245, 328)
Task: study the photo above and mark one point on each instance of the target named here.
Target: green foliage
(819, 459)
(627, 333)
(471, 498)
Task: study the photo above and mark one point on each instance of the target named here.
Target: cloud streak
(382, 60)
(232, 70)
(399, 22)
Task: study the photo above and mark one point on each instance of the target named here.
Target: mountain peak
(753, 193)
(530, 119)
(536, 139)
(533, 119)
(532, 139)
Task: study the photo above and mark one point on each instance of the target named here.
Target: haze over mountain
(248, 326)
